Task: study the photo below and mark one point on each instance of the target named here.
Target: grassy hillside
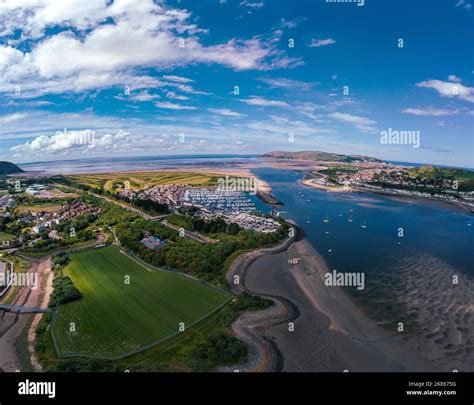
(114, 318)
(142, 180)
(463, 176)
(9, 168)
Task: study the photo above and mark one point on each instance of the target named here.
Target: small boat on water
(327, 232)
(399, 243)
(329, 250)
(364, 225)
(469, 224)
(350, 219)
(326, 219)
(308, 221)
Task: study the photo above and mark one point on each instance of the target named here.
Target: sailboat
(364, 226)
(326, 219)
(350, 219)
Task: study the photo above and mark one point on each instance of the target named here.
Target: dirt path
(46, 288)
(12, 324)
(15, 323)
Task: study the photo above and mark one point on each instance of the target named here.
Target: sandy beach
(330, 332)
(312, 183)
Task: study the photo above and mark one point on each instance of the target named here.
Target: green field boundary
(68, 355)
(147, 267)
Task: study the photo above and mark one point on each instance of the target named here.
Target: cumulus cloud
(63, 141)
(101, 46)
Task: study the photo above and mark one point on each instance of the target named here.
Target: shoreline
(327, 323)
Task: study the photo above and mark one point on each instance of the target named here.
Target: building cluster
(7, 202)
(77, 207)
(46, 220)
(169, 194)
(244, 219)
(35, 190)
(217, 200)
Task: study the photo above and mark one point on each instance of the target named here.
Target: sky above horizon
(105, 78)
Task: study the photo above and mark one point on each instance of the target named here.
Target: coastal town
(37, 210)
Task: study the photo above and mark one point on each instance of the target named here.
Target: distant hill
(319, 156)
(463, 176)
(9, 168)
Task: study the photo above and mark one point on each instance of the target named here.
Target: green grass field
(142, 180)
(113, 318)
(6, 236)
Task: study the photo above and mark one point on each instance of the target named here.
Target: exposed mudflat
(330, 332)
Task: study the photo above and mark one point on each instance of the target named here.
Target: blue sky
(129, 78)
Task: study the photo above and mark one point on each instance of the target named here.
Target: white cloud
(179, 79)
(454, 78)
(106, 46)
(62, 142)
(449, 89)
(289, 83)
(289, 23)
(263, 102)
(317, 43)
(172, 95)
(171, 106)
(225, 111)
(186, 88)
(363, 124)
(9, 118)
(143, 96)
(432, 112)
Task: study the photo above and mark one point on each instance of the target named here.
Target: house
(152, 242)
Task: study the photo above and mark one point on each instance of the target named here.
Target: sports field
(114, 318)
